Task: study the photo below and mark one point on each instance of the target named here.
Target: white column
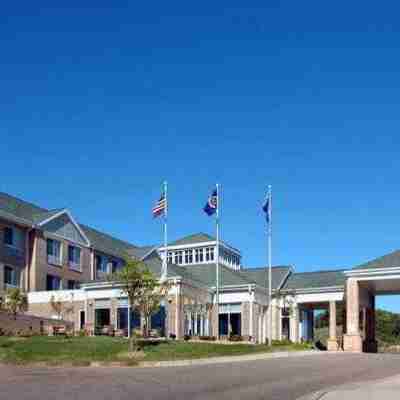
(251, 320)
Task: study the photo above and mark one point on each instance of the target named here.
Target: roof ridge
(24, 201)
(84, 226)
(321, 271)
(258, 268)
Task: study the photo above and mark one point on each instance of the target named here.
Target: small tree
(150, 300)
(133, 278)
(61, 308)
(15, 302)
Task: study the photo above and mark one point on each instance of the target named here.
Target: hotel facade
(49, 254)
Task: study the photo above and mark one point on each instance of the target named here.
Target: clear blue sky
(101, 101)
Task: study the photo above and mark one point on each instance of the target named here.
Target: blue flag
(212, 204)
(267, 209)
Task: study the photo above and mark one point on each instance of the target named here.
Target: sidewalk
(386, 389)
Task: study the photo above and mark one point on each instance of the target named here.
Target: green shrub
(235, 338)
(208, 338)
(284, 342)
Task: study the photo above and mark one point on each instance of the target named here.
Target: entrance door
(82, 320)
(236, 324)
(102, 318)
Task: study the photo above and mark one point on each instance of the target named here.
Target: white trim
(200, 244)
(285, 278)
(148, 253)
(378, 278)
(372, 271)
(67, 212)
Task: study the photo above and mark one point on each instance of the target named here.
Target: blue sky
(102, 102)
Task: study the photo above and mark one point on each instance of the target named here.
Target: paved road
(283, 379)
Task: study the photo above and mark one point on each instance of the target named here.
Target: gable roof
(44, 216)
(19, 210)
(260, 276)
(390, 260)
(16, 209)
(315, 279)
(142, 252)
(192, 239)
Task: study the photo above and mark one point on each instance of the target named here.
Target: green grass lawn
(82, 350)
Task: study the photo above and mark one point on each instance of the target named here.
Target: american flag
(161, 206)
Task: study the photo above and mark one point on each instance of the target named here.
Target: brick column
(352, 340)
(332, 341)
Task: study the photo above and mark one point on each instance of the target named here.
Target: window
(209, 253)
(179, 257)
(169, 259)
(71, 285)
(188, 257)
(74, 257)
(199, 256)
(114, 266)
(8, 236)
(53, 282)
(54, 252)
(101, 264)
(10, 276)
(13, 237)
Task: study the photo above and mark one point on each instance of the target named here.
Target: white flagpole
(270, 263)
(165, 259)
(217, 260)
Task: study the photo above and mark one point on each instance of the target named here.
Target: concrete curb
(229, 359)
(175, 363)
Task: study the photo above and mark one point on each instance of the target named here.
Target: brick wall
(13, 257)
(45, 310)
(27, 324)
(41, 268)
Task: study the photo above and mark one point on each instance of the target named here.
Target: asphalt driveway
(286, 378)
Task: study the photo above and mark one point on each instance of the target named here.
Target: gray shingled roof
(191, 239)
(390, 260)
(38, 218)
(12, 207)
(140, 252)
(260, 275)
(204, 274)
(314, 280)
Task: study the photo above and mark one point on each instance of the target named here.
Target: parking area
(282, 379)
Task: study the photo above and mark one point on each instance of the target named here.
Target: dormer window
(209, 253)
(188, 257)
(199, 256)
(169, 259)
(179, 257)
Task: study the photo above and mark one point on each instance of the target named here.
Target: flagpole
(165, 260)
(217, 259)
(270, 263)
